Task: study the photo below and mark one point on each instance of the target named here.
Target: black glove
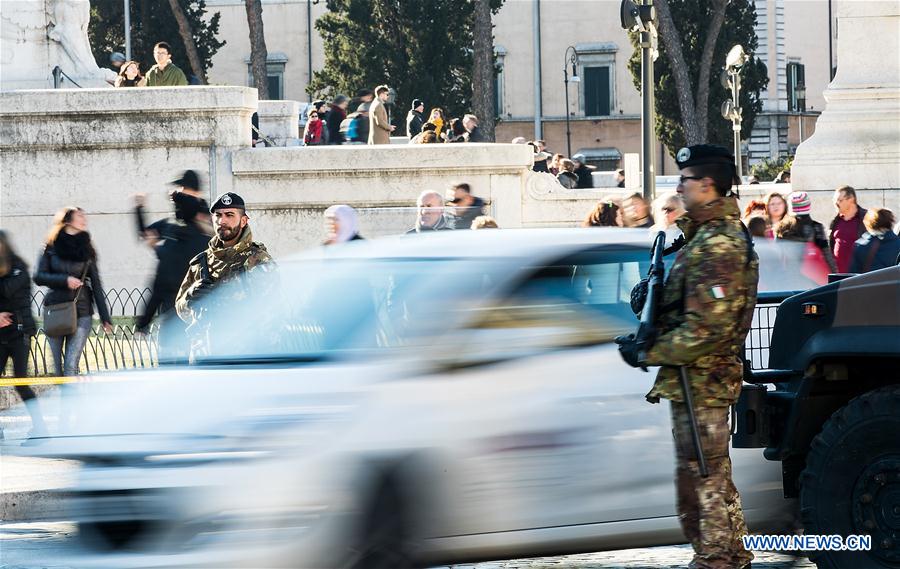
(202, 290)
(631, 352)
(639, 296)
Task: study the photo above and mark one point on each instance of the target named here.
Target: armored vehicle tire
(851, 484)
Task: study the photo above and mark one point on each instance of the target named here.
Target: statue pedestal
(857, 138)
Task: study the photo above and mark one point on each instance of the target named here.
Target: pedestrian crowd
(370, 123)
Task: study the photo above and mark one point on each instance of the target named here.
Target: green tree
(152, 22)
(695, 36)
(424, 50)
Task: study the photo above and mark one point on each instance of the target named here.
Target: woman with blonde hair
(437, 119)
(666, 209)
(68, 267)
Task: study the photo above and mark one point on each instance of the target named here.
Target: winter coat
(475, 135)
(414, 122)
(333, 125)
(569, 180)
(312, 134)
(806, 230)
(180, 242)
(15, 297)
(379, 127)
(357, 128)
(883, 250)
(67, 257)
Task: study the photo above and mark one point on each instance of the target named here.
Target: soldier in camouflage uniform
(231, 254)
(705, 314)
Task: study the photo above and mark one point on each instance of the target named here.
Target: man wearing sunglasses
(705, 313)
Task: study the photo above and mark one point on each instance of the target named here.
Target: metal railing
(759, 338)
(124, 348)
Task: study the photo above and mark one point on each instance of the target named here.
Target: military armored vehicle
(828, 408)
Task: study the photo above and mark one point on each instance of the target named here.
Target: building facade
(531, 39)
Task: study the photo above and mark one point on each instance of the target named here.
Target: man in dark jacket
(415, 119)
(466, 206)
(470, 123)
(846, 227)
(175, 241)
(335, 117)
(583, 171)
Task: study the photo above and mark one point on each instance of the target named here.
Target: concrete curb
(33, 505)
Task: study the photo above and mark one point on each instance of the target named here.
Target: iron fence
(124, 348)
(122, 302)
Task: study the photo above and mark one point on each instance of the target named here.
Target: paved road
(42, 546)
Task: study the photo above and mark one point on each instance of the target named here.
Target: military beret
(228, 200)
(703, 154)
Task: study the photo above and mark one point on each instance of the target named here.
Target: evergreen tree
(693, 25)
(424, 50)
(151, 22)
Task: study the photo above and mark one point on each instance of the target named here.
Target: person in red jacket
(312, 134)
(846, 227)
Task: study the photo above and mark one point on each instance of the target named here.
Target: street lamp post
(642, 18)
(573, 59)
(801, 106)
(127, 30)
(731, 109)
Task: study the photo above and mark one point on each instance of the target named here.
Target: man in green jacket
(165, 73)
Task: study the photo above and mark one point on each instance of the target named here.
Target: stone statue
(40, 35)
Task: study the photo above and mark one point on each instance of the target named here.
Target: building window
(795, 79)
(499, 63)
(596, 91)
(597, 68)
(275, 64)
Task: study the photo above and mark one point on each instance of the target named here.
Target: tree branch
(483, 69)
(259, 55)
(709, 46)
(669, 34)
(187, 37)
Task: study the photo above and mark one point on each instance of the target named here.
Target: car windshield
(323, 308)
(317, 308)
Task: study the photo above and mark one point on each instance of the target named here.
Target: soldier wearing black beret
(231, 254)
(707, 307)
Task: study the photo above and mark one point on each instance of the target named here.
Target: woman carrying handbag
(68, 267)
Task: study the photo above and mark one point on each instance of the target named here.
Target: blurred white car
(399, 402)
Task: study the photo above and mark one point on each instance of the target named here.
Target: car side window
(575, 301)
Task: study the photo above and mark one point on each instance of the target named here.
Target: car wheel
(384, 541)
(851, 484)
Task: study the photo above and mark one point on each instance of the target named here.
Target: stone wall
(96, 148)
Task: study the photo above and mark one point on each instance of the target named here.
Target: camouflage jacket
(225, 264)
(706, 309)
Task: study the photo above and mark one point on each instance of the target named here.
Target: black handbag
(61, 319)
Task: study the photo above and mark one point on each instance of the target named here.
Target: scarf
(74, 247)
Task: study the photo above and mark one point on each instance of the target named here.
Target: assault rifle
(652, 287)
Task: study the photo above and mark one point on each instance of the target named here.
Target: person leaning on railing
(17, 326)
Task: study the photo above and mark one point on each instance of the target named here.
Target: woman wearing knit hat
(817, 259)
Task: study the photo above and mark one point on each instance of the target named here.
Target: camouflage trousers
(709, 509)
